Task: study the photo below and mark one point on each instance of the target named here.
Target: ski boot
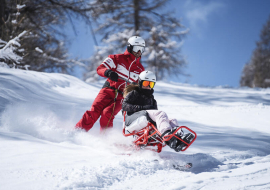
(177, 144)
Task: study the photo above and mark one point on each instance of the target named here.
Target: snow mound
(40, 149)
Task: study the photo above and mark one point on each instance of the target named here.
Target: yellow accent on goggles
(148, 83)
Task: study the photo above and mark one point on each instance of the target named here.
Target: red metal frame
(168, 137)
(143, 135)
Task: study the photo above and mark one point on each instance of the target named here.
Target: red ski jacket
(125, 65)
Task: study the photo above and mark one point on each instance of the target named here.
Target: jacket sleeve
(128, 105)
(155, 104)
(109, 63)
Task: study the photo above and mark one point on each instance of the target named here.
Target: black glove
(112, 75)
(148, 107)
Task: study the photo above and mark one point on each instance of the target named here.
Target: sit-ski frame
(150, 136)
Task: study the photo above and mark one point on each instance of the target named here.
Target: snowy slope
(39, 149)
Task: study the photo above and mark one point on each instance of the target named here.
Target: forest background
(208, 43)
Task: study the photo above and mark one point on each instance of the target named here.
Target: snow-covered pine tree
(10, 52)
(118, 20)
(247, 78)
(45, 47)
(259, 67)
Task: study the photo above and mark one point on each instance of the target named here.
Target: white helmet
(136, 41)
(147, 75)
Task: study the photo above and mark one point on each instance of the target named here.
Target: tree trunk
(136, 15)
(2, 15)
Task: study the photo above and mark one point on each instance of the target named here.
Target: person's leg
(103, 99)
(109, 112)
(174, 123)
(161, 119)
(164, 126)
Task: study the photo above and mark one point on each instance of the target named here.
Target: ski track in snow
(41, 150)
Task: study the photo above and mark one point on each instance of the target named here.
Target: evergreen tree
(247, 78)
(257, 72)
(44, 48)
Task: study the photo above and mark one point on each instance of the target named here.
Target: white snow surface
(40, 149)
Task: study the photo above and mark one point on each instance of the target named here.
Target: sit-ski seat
(136, 121)
(146, 134)
(137, 124)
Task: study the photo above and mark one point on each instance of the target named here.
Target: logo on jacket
(140, 68)
(123, 65)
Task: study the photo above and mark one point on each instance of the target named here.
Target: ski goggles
(148, 83)
(138, 48)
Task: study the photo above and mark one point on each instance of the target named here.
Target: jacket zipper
(130, 67)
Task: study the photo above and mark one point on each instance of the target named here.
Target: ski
(184, 167)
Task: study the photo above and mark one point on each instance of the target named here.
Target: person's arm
(128, 103)
(155, 104)
(129, 106)
(107, 68)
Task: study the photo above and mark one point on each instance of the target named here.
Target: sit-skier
(141, 107)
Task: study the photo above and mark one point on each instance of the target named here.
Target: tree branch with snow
(9, 52)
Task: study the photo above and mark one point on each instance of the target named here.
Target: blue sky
(221, 40)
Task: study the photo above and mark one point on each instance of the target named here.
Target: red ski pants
(102, 106)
